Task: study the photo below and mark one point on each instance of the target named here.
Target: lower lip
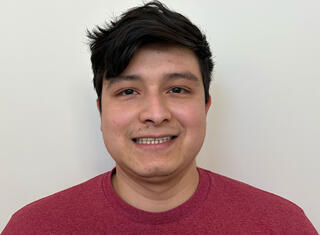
(161, 146)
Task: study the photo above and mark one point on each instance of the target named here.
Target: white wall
(263, 127)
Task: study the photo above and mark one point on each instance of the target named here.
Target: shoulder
(234, 189)
(243, 202)
(60, 209)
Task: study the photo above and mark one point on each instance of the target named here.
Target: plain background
(263, 126)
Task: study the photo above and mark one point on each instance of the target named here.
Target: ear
(98, 106)
(208, 104)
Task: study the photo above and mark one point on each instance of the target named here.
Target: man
(152, 71)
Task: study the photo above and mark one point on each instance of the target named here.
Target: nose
(154, 110)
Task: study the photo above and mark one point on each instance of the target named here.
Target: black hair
(113, 46)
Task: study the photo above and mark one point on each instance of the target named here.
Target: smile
(153, 140)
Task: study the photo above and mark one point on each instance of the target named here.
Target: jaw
(156, 172)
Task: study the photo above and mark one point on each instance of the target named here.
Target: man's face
(153, 116)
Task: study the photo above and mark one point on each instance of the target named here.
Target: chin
(155, 172)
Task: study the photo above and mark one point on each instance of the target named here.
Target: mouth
(151, 140)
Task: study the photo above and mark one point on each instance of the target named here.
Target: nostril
(155, 112)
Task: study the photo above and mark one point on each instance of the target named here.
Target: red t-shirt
(220, 205)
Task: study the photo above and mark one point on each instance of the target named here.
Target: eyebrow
(169, 76)
(185, 75)
(121, 78)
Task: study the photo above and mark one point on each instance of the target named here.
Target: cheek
(193, 116)
(115, 120)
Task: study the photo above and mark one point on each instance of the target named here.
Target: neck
(156, 196)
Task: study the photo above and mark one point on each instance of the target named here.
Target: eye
(127, 92)
(178, 90)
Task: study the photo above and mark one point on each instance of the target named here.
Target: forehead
(160, 60)
(153, 55)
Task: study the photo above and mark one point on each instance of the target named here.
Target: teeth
(152, 140)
